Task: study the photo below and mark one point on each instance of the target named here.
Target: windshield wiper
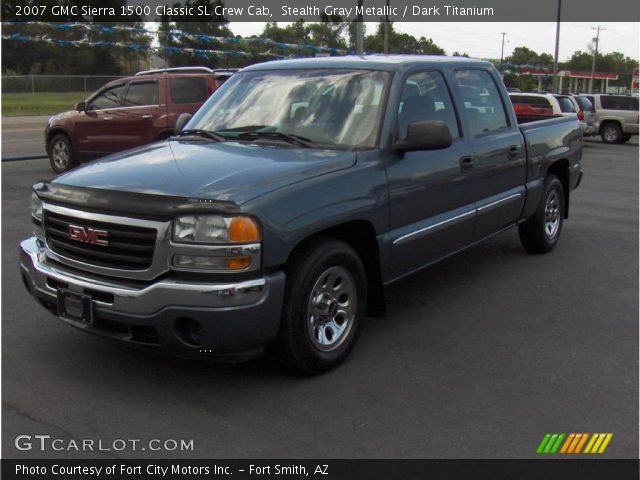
(198, 132)
(287, 137)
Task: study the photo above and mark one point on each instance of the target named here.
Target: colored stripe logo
(574, 443)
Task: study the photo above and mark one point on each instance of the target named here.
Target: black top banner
(315, 10)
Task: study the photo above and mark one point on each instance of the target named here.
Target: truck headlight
(215, 229)
(36, 208)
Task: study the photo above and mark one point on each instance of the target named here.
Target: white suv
(617, 115)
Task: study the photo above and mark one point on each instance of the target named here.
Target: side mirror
(426, 135)
(182, 120)
(81, 107)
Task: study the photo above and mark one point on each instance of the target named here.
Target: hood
(60, 117)
(226, 171)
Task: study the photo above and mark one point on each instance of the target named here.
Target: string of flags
(199, 52)
(177, 34)
(272, 52)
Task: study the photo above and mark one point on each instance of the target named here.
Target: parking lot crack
(67, 433)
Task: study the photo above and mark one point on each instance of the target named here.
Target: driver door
(431, 213)
(94, 133)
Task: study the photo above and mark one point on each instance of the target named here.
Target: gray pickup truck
(275, 217)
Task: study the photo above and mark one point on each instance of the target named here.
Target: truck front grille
(122, 246)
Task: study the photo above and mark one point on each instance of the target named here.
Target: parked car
(535, 106)
(617, 116)
(571, 107)
(587, 116)
(290, 199)
(127, 113)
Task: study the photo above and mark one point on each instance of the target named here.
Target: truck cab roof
(374, 62)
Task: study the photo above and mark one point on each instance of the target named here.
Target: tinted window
(566, 105)
(110, 98)
(188, 89)
(530, 100)
(425, 97)
(613, 102)
(584, 103)
(142, 93)
(482, 101)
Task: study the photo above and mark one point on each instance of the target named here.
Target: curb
(24, 157)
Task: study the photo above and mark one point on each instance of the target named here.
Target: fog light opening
(190, 332)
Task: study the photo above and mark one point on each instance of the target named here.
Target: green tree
(56, 57)
(402, 43)
(195, 35)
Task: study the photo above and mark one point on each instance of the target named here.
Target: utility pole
(554, 87)
(595, 54)
(359, 30)
(386, 29)
(502, 51)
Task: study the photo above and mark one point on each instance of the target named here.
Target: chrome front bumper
(234, 316)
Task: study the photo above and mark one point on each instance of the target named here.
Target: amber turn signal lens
(238, 263)
(243, 229)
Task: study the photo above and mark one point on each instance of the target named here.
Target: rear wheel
(611, 133)
(325, 304)
(541, 232)
(61, 155)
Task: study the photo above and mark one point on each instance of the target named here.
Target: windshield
(329, 108)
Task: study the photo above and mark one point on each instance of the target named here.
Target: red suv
(127, 113)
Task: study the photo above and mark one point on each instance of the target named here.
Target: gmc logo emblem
(88, 235)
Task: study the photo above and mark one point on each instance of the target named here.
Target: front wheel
(611, 133)
(61, 155)
(325, 303)
(541, 232)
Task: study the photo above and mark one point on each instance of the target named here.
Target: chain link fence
(54, 83)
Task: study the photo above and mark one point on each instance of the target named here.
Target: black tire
(541, 232)
(316, 268)
(61, 154)
(611, 133)
(626, 138)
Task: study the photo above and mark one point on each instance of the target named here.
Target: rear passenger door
(142, 118)
(498, 171)
(431, 213)
(187, 93)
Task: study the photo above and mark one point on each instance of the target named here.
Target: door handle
(147, 117)
(514, 151)
(466, 163)
(106, 118)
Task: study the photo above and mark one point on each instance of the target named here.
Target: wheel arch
(361, 236)
(560, 168)
(56, 131)
(606, 121)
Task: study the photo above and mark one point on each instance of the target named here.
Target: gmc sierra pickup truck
(278, 213)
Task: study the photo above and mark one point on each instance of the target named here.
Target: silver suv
(617, 115)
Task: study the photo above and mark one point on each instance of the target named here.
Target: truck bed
(524, 118)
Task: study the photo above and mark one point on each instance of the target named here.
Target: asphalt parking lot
(478, 357)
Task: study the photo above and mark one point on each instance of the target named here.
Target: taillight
(580, 115)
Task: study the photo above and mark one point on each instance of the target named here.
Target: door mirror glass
(425, 135)
(183, 119)
(81, 106)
